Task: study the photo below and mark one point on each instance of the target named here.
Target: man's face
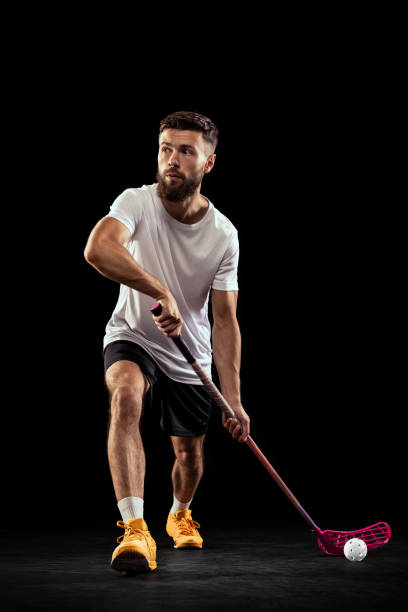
(184, 157)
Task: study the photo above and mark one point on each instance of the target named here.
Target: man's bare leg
(127, 387)
(186, 475)
(188, 466)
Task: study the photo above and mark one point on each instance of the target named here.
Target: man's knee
(126, 403)
(189, 452)
(127, 386)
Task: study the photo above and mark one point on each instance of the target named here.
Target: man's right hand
(170, 321)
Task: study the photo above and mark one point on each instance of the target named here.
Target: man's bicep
(107, 229)
(224, 304)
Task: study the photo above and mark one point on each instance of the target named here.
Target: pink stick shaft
(259, 454)
(224, 406)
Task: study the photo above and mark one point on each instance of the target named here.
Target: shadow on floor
(258, 568)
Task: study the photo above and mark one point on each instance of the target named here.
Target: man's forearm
(226, 341)
(114, 261)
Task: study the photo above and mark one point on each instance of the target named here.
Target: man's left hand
(238, 427)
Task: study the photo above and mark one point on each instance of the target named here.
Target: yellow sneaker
(137, 549)
(182, 529)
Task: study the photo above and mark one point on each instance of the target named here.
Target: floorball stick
(331, 542)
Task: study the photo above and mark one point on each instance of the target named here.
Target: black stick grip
(156, 311)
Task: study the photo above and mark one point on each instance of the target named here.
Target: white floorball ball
(355, 549)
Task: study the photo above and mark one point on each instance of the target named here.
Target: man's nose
(173, 161)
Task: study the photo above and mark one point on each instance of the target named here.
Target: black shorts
(185, 408)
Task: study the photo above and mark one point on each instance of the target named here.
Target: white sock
(178, 505)
(130, 508)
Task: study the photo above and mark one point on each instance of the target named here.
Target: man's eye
(186, 151)
(165, 148)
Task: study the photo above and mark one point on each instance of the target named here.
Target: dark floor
(261, 568)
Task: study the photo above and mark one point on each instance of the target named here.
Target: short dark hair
(185, 120)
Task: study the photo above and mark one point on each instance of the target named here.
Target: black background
(309, 170)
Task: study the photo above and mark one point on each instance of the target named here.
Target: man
(167, 243)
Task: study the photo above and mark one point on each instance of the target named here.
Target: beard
(179, 191)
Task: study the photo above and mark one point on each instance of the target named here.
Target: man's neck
(189, 211)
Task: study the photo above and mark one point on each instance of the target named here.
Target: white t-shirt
(187, 259)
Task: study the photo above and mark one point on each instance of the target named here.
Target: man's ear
(210, 163)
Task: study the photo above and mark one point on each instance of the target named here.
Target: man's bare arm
(105, 251)
(226, 340)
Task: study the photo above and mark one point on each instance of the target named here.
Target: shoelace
(139, 533)
(186, 526)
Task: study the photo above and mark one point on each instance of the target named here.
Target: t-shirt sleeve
(127, 208)
(226, 277)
